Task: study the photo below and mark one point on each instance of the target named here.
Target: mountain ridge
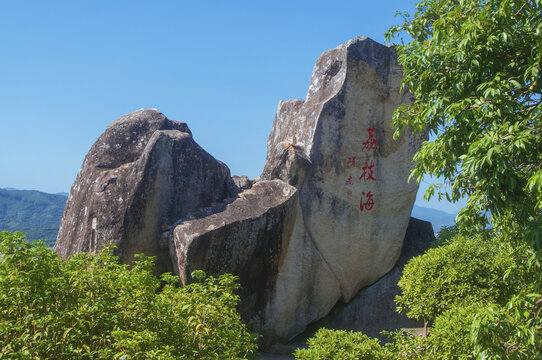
(33, 212)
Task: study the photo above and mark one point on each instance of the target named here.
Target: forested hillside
(35, 213)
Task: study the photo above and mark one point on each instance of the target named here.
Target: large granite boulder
(337, 148)
(143, 174)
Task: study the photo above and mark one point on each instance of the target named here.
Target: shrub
(513, 331)
(404, 345)
(465, 269)
(450, 336)
(92, 307)
(340, 344)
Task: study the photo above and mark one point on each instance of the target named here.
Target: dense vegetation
(35, 213)
(92, 307)
(474, 69)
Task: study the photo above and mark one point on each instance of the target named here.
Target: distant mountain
(35, 213)
(436, 217)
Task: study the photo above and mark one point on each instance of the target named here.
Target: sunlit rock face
(337, 148)
(143, 174)
(373, 309)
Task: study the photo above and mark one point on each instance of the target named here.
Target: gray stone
(326, 218)
(373, 308)
(242, 182)
(142, 175)
(337, 148)
(244, 237)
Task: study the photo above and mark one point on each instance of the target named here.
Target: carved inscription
(367, 175)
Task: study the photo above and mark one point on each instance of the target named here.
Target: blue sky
(70, 68)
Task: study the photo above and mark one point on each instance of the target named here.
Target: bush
(450, 336)
(466, 269)
(92, 307)
(340, 344)
(513, 331)
(404, 345)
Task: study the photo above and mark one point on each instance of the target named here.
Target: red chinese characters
(366, 202)
(371, 143)
(368, 172)
(369, 202)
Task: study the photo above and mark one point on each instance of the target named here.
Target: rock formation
(337, 148)
(326, 218)
(143, 174)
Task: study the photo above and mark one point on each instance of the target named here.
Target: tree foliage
(474, 68)
(512, 332)
(92, 307)
(450, 336)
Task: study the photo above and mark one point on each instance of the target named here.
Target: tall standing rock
(143, 174)
(337, 148)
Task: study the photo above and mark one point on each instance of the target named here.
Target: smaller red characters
(368, 204)
(349, 192)
(349, 181)
(352, 161)
(371, 143)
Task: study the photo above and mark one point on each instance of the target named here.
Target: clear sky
(70, 68)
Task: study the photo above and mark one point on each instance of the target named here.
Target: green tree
(473, 67)
(92, 307)
(511, 332)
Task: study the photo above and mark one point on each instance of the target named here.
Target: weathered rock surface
(245, 237)
(373, 308)
(143, 174)
(242, 182)
(337, 148)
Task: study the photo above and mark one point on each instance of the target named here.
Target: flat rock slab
(244, 236)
